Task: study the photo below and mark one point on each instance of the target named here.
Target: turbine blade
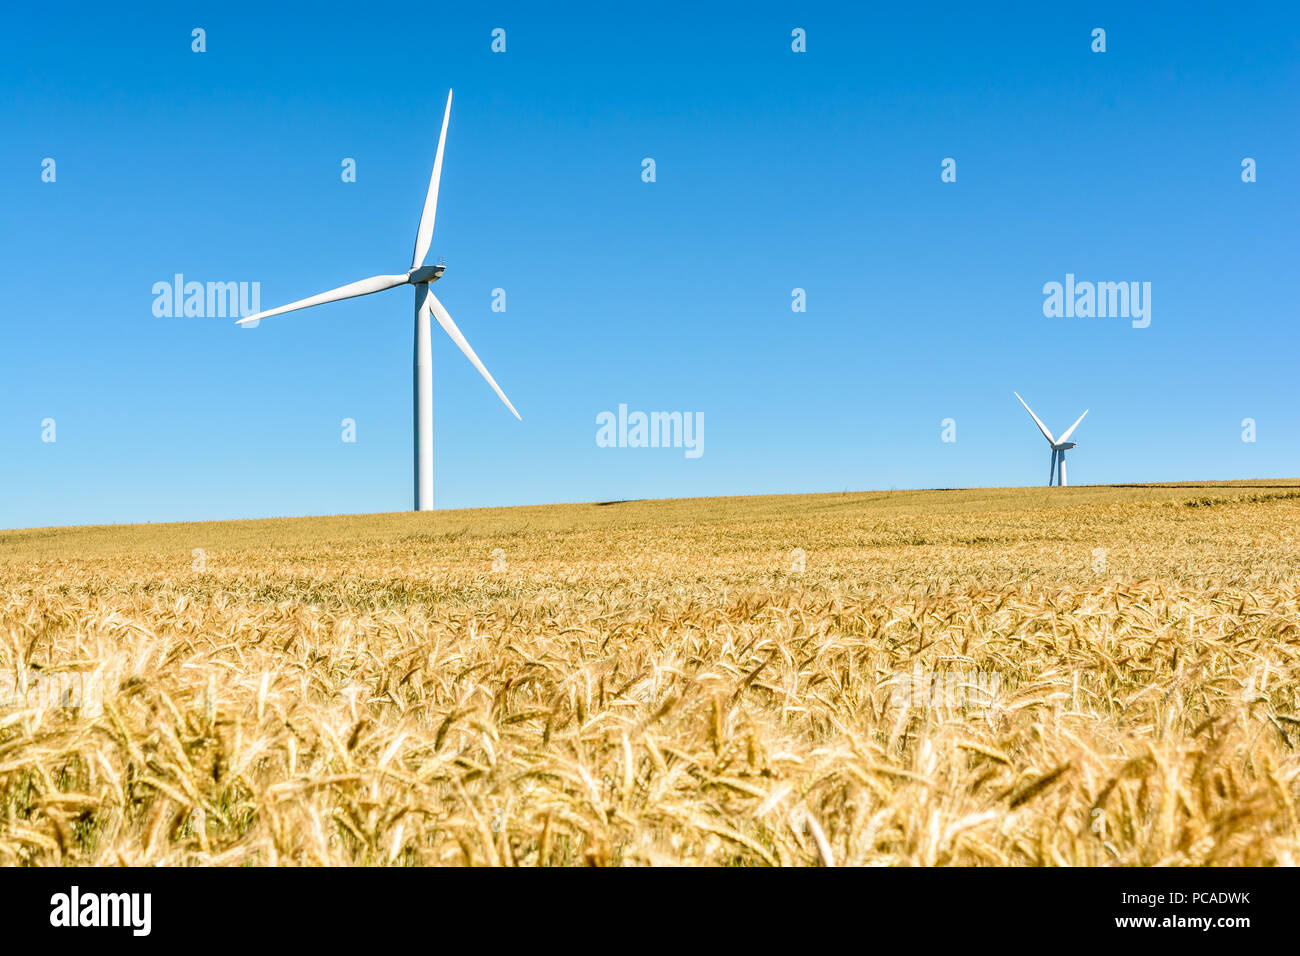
(1037, 421)
(424, 235)
(349, 291)
(449, 327)
(1069, 431)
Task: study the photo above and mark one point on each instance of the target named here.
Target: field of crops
(1065, 676)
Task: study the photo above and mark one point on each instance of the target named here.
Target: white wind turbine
(1059, 445)
(420, 276)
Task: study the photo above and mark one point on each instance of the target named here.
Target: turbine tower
(1059, 445)
(426, 303)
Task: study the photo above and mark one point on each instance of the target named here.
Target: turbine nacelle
(1061, 446)
(425, 274)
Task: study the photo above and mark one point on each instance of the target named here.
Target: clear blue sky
(775, 170)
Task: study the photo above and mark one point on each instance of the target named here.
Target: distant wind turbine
(1059, 445)
(420, 276)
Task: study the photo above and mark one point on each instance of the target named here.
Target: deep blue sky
(775, 170)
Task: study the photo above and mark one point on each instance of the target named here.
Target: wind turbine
(420, 276)
(1059, 445)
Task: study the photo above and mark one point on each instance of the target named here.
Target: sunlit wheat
(652, 683)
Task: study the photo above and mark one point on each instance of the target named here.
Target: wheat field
(1077, 676)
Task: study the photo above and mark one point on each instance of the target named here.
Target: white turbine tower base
(422, 390)
(426, 305)
(1059, 445)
